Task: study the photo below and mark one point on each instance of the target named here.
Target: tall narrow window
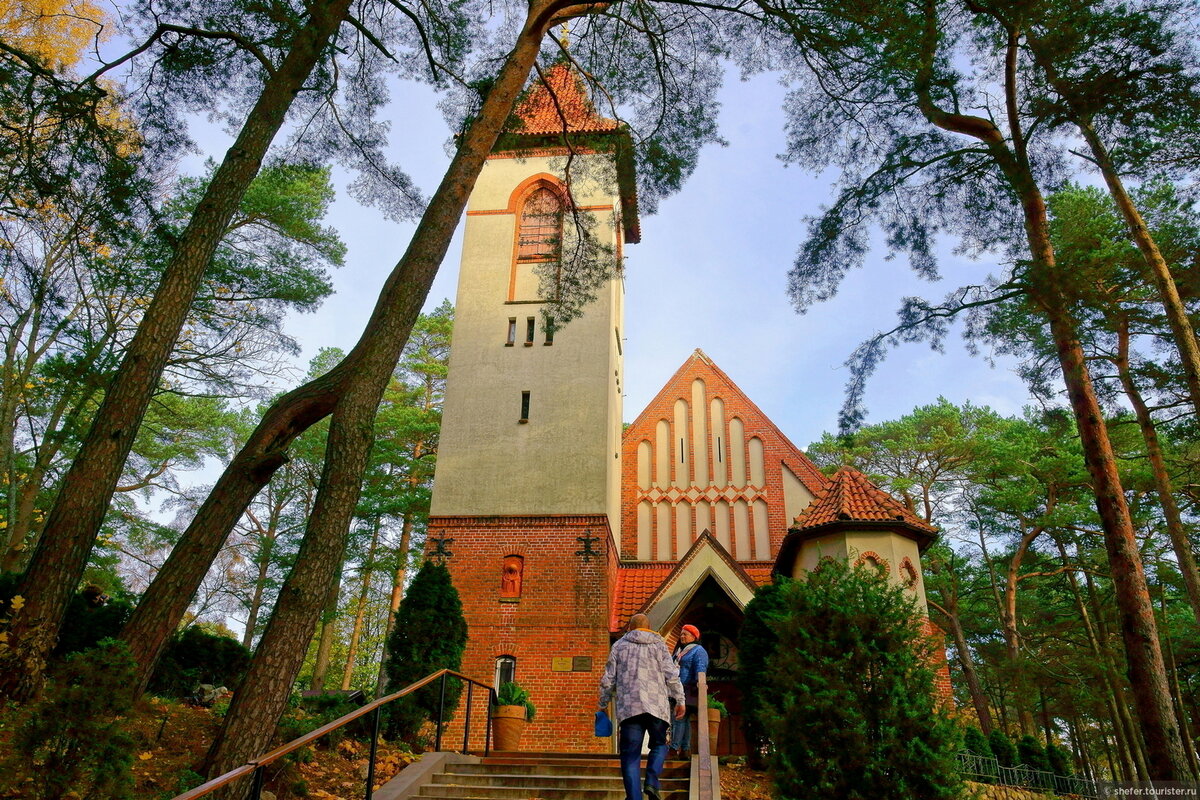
(524, 407)
(530, 330)
(550, 330)
(512, 332)
(541, 226)
(506, 670)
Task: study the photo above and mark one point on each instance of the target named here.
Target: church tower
(526, 499)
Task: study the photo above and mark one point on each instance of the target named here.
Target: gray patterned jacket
(642, 674)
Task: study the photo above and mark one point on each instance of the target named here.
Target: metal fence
(983, 769)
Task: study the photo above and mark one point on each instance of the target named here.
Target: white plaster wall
(565, 460)
(795, 497)
(850, 545)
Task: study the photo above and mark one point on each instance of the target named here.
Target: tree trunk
(328, 627)
(59, 560)
(1158, 467)
(1012, 638)
(978, 698)
(260, 582)
(360, 609)
(263, 693)
(1111, 697)
(1128, 734)
(398, 578)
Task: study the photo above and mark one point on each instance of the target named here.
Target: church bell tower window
(541, 226)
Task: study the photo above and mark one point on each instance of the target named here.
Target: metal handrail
(256, 765)
(704, 772)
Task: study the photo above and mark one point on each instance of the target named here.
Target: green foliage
(72, 739)
(757, 640)
(1002, 748)
(512, 694)
(718, 705)
(1059, 761)
(1031, 753)
(975, 742)
(430, 634)
(196, 657)
(86, 623)
(853, 712)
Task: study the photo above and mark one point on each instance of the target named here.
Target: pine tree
(853, 711)
(430, 634)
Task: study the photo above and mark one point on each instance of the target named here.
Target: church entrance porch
(719, 619)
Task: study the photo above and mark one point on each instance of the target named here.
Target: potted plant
(716, 710)
(511, 712)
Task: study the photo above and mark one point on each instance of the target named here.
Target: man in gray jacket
(645, 679)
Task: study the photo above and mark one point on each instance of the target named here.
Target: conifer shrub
(71, 741)
(194, 657)
(1002, 748)
(1031, 753)
(89, 620)
(430, 634)
(1059, 760)
(852, 709)
(976, 743)
(757, 640)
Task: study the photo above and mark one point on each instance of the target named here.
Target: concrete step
(672, 769)
(611, 781)
(541, 792)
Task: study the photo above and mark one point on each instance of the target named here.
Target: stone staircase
(524, 776)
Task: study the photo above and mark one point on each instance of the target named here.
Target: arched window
(506, 670)
(541, 226)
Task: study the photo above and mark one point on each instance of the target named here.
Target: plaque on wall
(560, 664)
(581, 664)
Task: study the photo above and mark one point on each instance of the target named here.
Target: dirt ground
(171, 740)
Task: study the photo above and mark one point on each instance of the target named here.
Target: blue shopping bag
(603, 724)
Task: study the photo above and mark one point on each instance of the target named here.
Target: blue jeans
(681, 732)
(632, 733)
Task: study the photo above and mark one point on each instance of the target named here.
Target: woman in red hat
(692, 660)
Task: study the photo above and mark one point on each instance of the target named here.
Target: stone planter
(714, 728)
(507, 724)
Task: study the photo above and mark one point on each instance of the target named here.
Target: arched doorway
(719, 618)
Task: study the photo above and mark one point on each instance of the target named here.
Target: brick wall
(941, 667)
(562, 612)
(777, 451)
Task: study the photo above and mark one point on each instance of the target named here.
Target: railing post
(467, 720)
(487, 734)
(374, 749)
(257, 786)
(437, 745)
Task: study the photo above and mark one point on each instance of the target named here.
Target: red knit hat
(692, 629)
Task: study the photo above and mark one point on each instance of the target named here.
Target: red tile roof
(636, 582)
(561, 100)
(851, 496)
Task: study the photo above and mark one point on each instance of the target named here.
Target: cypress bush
(196, 657)
(850, 702)
(1002, 748)
(1059, 760)
(975, 742)
(430, 634)
(1031, 753)
(757, 640)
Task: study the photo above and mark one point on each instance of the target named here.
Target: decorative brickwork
(714, 485)
(557, 629)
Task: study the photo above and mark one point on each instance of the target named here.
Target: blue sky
(710, 272)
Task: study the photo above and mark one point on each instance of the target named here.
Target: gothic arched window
(541, 226)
